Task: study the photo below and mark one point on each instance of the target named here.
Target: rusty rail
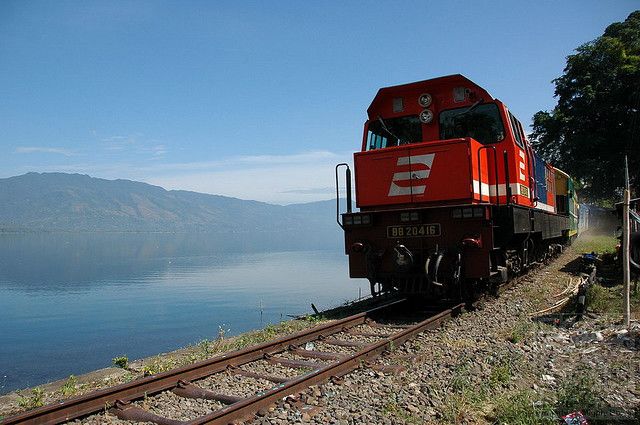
(253, 404)
(100, 400)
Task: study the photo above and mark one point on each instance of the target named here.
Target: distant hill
(75, 202)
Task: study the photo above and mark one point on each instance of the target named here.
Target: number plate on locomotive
(414, 231)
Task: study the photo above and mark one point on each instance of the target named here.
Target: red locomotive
(451, 195)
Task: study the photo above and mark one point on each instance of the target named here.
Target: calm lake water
(69, 303)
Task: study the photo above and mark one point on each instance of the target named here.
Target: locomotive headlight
(426, 116)
(425, 100)
(356, 219)
(357, 247)
(469, 212)
(409, 216)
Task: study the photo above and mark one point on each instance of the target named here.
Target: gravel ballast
(479, 363)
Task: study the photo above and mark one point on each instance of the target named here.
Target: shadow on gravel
(356, 307)
(574, 266)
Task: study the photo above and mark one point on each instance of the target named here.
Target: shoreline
(74, 385)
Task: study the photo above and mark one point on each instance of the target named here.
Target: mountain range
(76, 202)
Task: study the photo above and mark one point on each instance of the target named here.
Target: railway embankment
(504, 362)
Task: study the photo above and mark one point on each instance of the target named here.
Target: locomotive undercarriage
(483, 254)
(452, 284)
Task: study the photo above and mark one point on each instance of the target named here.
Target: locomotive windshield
(384, 133)
(483, 123)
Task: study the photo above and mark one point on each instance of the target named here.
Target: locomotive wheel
(514, 263)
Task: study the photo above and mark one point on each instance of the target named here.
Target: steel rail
(253, 404)
(249, 406)
(102, 399)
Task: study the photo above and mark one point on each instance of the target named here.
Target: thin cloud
(118, 143)
(159, 150)
(250, 161)
(281, 179)
(287, 159)
(42, 149)
(134, 144)
(312, 191)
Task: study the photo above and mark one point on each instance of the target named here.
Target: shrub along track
(345, 344)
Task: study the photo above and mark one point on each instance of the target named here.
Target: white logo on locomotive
(426, 160)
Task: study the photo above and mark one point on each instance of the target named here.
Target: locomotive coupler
(403, 258)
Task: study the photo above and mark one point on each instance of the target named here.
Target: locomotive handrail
(495, 164)
(532, 170)
(532, 181)
(507, 187)
(348, 182)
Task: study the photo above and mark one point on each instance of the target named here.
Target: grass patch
(314, 318)
(604, 300)
(458, 409)
(70, 387)
(500, 374)
(464, 396)
(158, 365)
(523, 408)
(35, 399)
(534, 292)
(521, 330)
(268, 333)
(580, 393)
(471, 392)
(208, 348)
(121, 362)
(595, 243)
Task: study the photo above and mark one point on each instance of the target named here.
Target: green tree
(596, 121)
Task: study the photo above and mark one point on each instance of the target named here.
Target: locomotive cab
(448, 188)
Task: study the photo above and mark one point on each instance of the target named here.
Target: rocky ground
(502, 363)
(499, 364)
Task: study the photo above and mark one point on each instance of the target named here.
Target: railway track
(282, 367)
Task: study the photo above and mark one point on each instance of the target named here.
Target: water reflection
(78, 300)
(77, 261)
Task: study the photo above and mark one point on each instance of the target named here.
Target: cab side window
(516, 130)
(524, 137)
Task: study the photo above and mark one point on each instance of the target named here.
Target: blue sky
(256, 100)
